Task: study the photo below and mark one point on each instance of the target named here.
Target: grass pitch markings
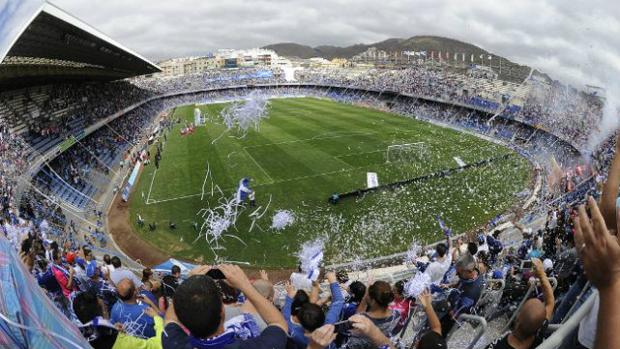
(148, 198)
(259, 166)
(318, 137)
(465, 201)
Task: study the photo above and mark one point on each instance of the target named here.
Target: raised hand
(322, 337)
(235, 276)
(598, 249)
(425, 298)
(200, 270)
(151, 312)
(290, 290)
(539, 269)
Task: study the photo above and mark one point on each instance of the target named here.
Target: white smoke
(610, 120)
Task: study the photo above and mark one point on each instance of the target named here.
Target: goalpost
(409, 152)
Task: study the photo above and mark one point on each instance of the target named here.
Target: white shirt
(587, 326)
(80, 274)
(123, 273)
(437, 269)
(107, 269)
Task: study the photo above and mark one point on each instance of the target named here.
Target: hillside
(510, 70)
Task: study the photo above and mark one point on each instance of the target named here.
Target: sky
(575, 41)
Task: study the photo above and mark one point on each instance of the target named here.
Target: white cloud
(576, 41)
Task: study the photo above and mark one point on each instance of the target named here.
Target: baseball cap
(91, 269)
(548, 264)
(70, 257)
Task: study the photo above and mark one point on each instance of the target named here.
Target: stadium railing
(561, 333)
(480, 329)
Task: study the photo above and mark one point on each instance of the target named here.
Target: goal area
(409, 152)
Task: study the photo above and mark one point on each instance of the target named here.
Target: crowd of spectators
(560, 109)
(47, 110)
(114, 308)
(217, 78)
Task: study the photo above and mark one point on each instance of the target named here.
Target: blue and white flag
(447, 231)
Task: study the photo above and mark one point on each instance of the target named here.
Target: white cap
(547, 264)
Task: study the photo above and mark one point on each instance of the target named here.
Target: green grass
(306, 150)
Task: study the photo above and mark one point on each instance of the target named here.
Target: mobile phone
(343, 326)
(526, 265)
(216, 274)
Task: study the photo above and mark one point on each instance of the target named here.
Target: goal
(409, 152)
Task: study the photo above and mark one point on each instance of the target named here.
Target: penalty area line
(148, 197)
(338, 134)
(172, 199)
(259, 166)
(152, 202)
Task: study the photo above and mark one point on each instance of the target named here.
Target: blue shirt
(535, 253)
(333, 314)
(272, 337)
(48, 281)
(349, 309)
(134, 319)
(149, 295)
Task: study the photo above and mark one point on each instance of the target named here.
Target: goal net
(410, 152)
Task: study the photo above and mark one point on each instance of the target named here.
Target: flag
(481, 56)
(495, 220)
(447, 231)
(490, 57)
(472, 58)
(455, 56)
(463, 57)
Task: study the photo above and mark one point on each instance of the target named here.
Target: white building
(254, 57)
(189, 65)
(231, 58)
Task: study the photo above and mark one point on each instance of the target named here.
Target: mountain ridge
(510, 70)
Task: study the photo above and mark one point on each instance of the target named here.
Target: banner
(131, 181)
(372, 180)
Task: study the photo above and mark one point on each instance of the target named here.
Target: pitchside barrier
(394, 185)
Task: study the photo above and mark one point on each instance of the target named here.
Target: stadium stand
(70, 131)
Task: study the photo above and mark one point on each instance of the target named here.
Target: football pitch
(303, 152)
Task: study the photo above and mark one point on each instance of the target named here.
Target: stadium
(423, 202)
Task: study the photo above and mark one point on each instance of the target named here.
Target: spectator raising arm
(288, 302)
(237, 278)
(600, 253)
(546, 286)
(427, 302)
(610, 190)
(322, 337)
(363, 325)
(314, 292)
(333, 314)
